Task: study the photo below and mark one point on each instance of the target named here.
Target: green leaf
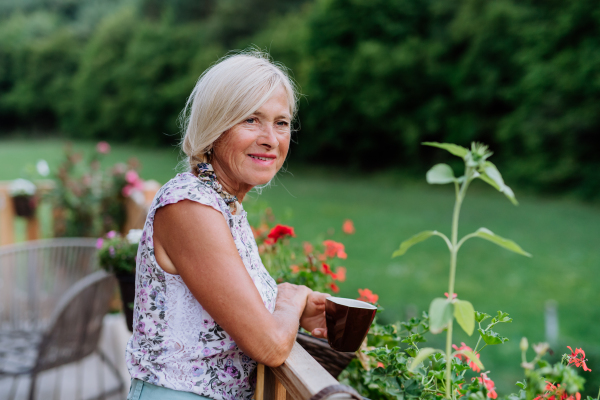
(465, 315)
(407, 244)
(440, 314)
(423, 354)
(501, 317)
(440, 174)
(500, 241)
(481, 316)
(457, 150)
(471, 355)
(522, 385)
(492, 177)
(491, 337)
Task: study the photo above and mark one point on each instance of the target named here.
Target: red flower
(454, 295)
(463, 357)
(578, 362)
(340, 273)
(281, 231)
(489, 385)
(333, 249)
(367, 296)
(348, 227)
(326, 269)
(555, 392)
(380, 365)
(334, 288)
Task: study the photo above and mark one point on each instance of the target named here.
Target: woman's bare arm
(194, 241)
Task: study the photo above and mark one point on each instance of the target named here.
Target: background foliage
(380, 76)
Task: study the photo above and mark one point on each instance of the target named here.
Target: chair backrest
(75, 327)
(34, 275)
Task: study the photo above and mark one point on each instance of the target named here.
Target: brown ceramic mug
(348, 322)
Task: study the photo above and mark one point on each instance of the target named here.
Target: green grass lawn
(562, 235)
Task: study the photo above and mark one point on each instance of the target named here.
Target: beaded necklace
(206, 174)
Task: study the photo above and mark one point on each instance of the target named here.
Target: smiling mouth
(262, 158)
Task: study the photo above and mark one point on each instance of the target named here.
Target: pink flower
(103, 147)
(348, 227)
(454, 295)
(308, 248)
(111, 234)
(99, 243)
(340, 273)
(131, 176)
(126, 192)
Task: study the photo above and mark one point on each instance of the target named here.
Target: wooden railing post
(7, 216)
(299, 378)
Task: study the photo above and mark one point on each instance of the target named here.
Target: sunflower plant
(395, 365)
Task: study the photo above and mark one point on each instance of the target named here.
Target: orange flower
(367, 296)
(380, 365)
(340, 273)
(334, 288)
(463, 346)
(281, 231)
(489, 385)
(333, 249)
(295, 269)
(348, 227)
(574, 358)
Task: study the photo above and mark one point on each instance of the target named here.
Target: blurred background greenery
(378, 78)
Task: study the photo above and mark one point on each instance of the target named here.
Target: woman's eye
(283, 123)
(251, 120)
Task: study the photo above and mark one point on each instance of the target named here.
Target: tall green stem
(460, 194)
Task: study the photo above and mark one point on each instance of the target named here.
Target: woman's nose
(268, 137)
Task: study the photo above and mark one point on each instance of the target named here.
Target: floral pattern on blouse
(176, 343)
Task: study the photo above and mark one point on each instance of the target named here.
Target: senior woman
(206, 310)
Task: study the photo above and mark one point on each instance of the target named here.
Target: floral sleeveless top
(175, 342)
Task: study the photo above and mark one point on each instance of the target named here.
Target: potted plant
(22, 192)
(118, 255)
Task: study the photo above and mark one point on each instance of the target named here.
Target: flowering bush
(89, 201)
(117, 253)
(311, 263)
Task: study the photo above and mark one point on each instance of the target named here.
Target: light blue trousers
(141, 390)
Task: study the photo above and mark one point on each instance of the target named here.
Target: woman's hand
(313, 317)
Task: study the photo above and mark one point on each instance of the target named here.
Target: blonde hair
(226, 94)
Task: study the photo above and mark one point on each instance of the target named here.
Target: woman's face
(252, 152)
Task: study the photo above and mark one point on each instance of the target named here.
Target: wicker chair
(35, 274)
(72, 334)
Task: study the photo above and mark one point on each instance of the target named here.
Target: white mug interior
(351, 303)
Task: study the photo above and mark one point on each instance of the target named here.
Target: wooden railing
(299, 378)
(136, 210)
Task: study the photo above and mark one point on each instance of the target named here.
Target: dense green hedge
(380, 76)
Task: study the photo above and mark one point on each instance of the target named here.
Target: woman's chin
(261, 179)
